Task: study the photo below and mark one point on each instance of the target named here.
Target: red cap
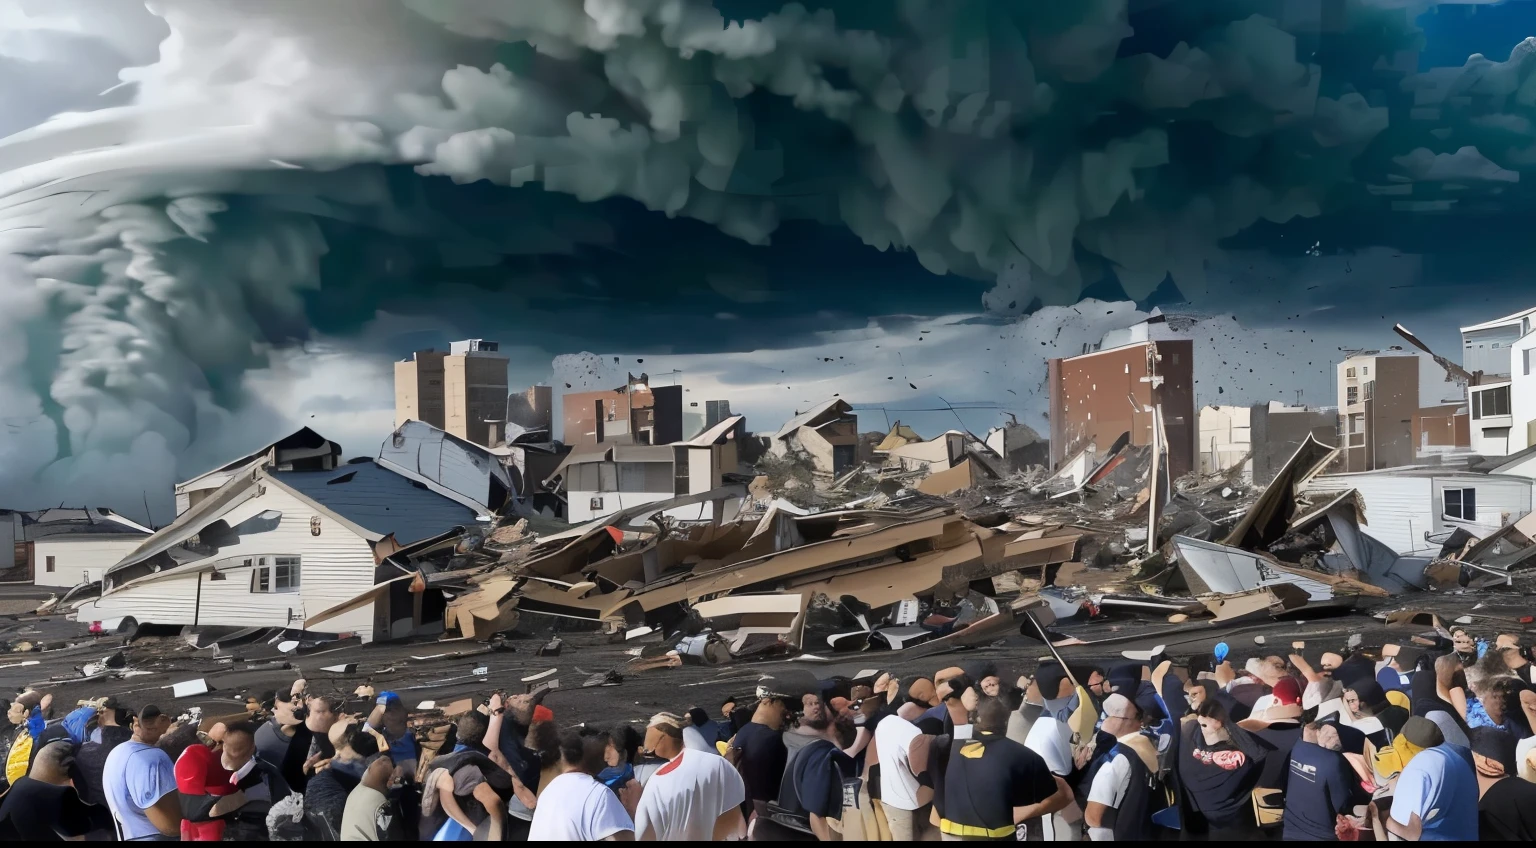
(543, 713)
(1287, 691)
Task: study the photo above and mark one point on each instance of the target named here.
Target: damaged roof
(86, 522)
(379, 500)
(813, 416)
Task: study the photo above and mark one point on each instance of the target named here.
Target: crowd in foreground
(1367, 743)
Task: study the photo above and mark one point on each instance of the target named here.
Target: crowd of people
(1395, 742)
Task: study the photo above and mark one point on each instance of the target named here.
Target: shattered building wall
(1096, 397)
(1278, 430)
(1442, 429)
(591, 418)
(532, 409)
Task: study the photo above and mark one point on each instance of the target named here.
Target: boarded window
(1461, 504)
(48, 565)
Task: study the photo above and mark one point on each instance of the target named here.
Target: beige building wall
(419, 389)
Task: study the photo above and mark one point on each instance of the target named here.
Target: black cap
(1497, 745)
(1422, 732)
(150, 713)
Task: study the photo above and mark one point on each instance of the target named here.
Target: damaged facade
(271, 544)
(827, 435)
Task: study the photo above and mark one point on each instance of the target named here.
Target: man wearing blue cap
(389, 720)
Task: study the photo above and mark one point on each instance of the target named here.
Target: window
(1491, 402)
(680, 472)
(1527, 356)
(48, 565)
(1365, 371)
(1495, 345)
(1351, 396)
(1349, 372)
(1461, 504)
(275, 574)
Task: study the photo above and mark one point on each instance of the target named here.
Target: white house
(447, 464)
(304, 450)
(68, 547)
(1406, 506)
(1492, 418)
(611, 477)
(827, 434)
(270, 547)
(1522, 393)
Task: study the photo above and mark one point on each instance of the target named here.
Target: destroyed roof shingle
(379, 500)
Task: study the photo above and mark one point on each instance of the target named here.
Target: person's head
(16, 712)
(377, 771)
(51, 764)
(922, 691)
(1494, 752)
(771, 711)
(471, 728)
(1423, 733)
(351, 741)
(1448, 672)
(1214, 721)
(1270, 670)
(288, 710)
(239, 745)
(1510, 656)
(544, 738)
(1462, 640)
(992, 716)
(1199, 692)
(1499, 696)
(1329, 662)
(150, 724)
(1097, 683)
(664, 736)
(322, 712)
(395, 718)
(727, 707)
(1507, 639)
(1364, 697)
(624, 745)
(814, 712)
(582, 748)
(1323, 734)
(1121, 716)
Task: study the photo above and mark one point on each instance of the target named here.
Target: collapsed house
(827, 434)
(448, 465)
(269, 545)
(894, 576)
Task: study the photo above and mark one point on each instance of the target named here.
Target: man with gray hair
(695, 797)
(42, 806)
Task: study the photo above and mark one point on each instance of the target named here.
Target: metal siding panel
(1398, 510)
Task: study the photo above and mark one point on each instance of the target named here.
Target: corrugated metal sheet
(380, 500)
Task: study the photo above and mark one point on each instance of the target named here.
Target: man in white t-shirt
(575, 807)
(895, 738)
(1112, 782)
(695, 797)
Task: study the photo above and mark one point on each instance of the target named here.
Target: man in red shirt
(205, 790)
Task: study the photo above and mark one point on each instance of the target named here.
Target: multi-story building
(463, 392)
(1378, 399)
(1117, 388)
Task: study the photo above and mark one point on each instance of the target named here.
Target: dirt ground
(420, 671)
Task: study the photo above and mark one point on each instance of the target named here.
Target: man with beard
(813, 777)
(42, 806)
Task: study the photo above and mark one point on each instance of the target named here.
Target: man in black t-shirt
(42, 806)
(1506, 806)
(757, 750)
(992, 783)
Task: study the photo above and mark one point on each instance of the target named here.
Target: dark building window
(1461, 504)
(1491, 402)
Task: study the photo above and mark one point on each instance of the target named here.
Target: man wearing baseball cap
(696, 797)
(1436, 795)
(139, 782)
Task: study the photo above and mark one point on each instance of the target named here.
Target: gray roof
(63, 521)
(379, 500)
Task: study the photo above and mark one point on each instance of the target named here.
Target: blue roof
(380, 500)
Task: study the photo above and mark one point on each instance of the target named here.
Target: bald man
(42, 806)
